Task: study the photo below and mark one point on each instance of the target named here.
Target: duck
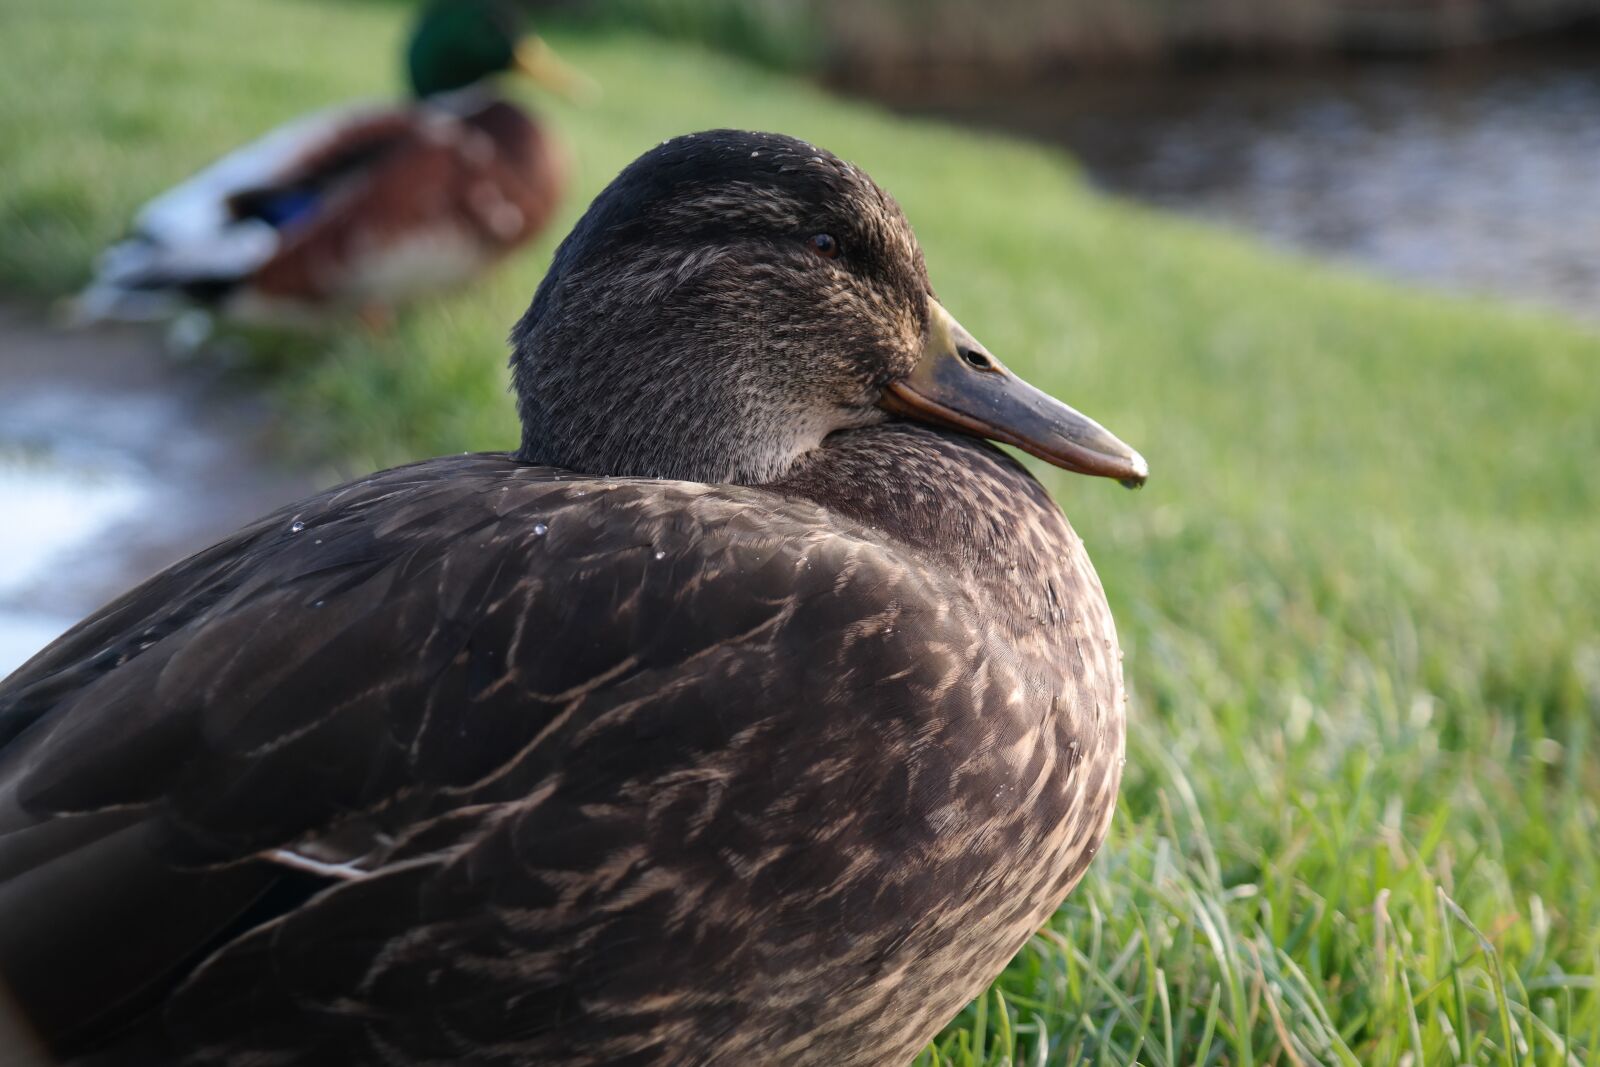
(754, 708)
(359, 208)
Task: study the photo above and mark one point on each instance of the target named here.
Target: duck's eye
(824, 245)
(976, 359)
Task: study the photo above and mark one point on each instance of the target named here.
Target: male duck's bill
(957, 383)
(536, 59)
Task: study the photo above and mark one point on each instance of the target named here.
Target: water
(55, 509)
(113, 464)
(1480, 177)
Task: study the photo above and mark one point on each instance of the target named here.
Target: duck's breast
(1026, 718)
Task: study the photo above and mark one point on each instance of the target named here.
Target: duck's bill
(539, 62)
(958, 384)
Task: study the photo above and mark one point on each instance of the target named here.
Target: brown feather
(556, 745)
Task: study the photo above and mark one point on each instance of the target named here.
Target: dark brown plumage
(483, 761)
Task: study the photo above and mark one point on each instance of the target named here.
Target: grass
(1360, 599)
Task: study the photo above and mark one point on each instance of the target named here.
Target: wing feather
(535, 716)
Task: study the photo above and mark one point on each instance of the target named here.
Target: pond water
(113, 464)
(55, 508)
(1480, 176)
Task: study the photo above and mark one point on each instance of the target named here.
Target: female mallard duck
(357, 208)
(754, 711)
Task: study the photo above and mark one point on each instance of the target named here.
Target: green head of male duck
(457, 43)
(737, 297)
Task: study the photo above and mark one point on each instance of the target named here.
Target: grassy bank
(1360, 598)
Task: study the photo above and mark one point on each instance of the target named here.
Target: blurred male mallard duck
(359, 207)
(755, 711)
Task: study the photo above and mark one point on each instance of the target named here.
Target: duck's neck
(463, 101)
(681, 442)
(621, 410)
(963, 505)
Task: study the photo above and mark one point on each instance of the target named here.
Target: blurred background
(1332, 265)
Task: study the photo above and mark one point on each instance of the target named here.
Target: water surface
(114, 463)
(1474, 176)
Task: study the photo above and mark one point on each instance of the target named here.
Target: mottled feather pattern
(667, 280)
(770, 740)
(776, 736)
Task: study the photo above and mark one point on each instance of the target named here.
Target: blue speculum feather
(280, 209)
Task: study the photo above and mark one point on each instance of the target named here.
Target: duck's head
(457, 43)
(731, 299)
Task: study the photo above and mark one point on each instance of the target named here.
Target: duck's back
(479, 762)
